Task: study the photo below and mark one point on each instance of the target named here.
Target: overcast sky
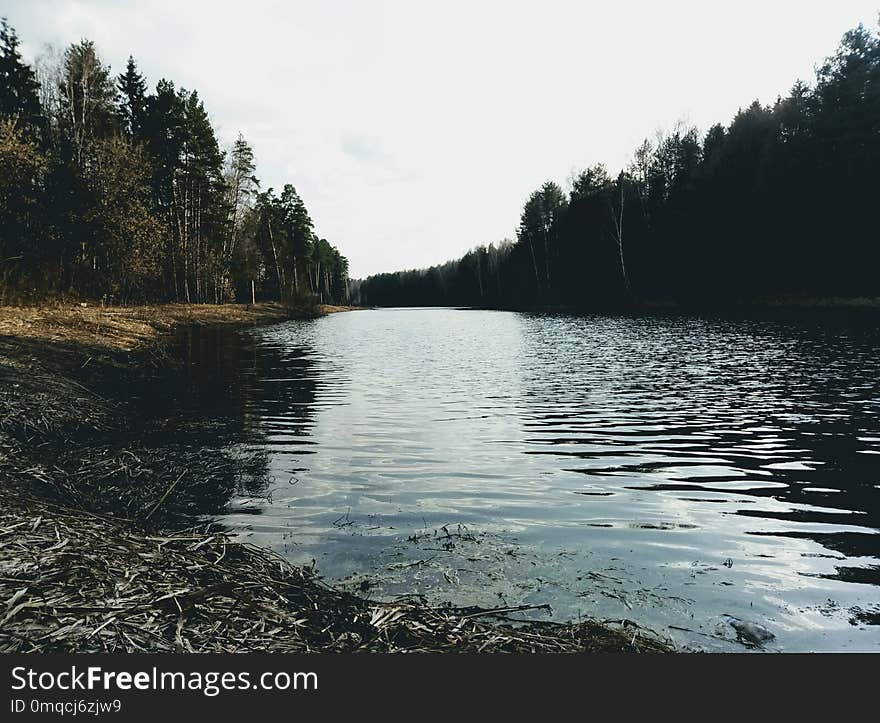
(415, 130)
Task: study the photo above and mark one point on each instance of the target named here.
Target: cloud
(366, 150)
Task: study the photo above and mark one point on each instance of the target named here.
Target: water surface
(670, 470)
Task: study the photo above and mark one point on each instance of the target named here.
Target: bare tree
(241, 188)
(48, 71)
(86, 97)
(617, 228)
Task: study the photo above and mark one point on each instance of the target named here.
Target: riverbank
(126, 328)
(94, 558)
(769, 303)
(757, 305)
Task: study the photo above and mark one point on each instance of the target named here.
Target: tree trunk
(618, 230)
(535, 265)
(277, 265)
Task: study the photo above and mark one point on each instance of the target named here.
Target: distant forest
(781, 202)
(109, 190)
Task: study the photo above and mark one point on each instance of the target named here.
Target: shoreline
(820, 305)
(99, 564)
(127, 328)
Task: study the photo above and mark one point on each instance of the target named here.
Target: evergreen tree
(773, 203)
(132, 100)
(538, 230)
(19, 99)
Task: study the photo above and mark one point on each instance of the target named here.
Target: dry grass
(330, 309)
(127, 328)
(76, 582)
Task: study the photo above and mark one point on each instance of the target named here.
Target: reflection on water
(668, 470)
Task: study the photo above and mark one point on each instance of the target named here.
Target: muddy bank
(94, 555)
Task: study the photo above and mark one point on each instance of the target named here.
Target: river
(667, 469)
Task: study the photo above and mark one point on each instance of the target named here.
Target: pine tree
(199, 210)
(162, 134)
(132, 100)
(538, 231)
(301, 236)
(19, 97)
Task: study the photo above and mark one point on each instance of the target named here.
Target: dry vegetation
(127, 328)
(89, 563)
(78, 582)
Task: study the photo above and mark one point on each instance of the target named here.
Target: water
(670, 470)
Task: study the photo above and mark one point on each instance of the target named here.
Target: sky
(414, 130)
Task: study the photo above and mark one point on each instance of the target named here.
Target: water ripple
(731, 462)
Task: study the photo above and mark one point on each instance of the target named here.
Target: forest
(112, 191)
(779, 203)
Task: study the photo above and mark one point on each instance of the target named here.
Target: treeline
(780, 202)
(110, 190)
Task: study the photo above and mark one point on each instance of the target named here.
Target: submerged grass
(90, 560)
(73, 581)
